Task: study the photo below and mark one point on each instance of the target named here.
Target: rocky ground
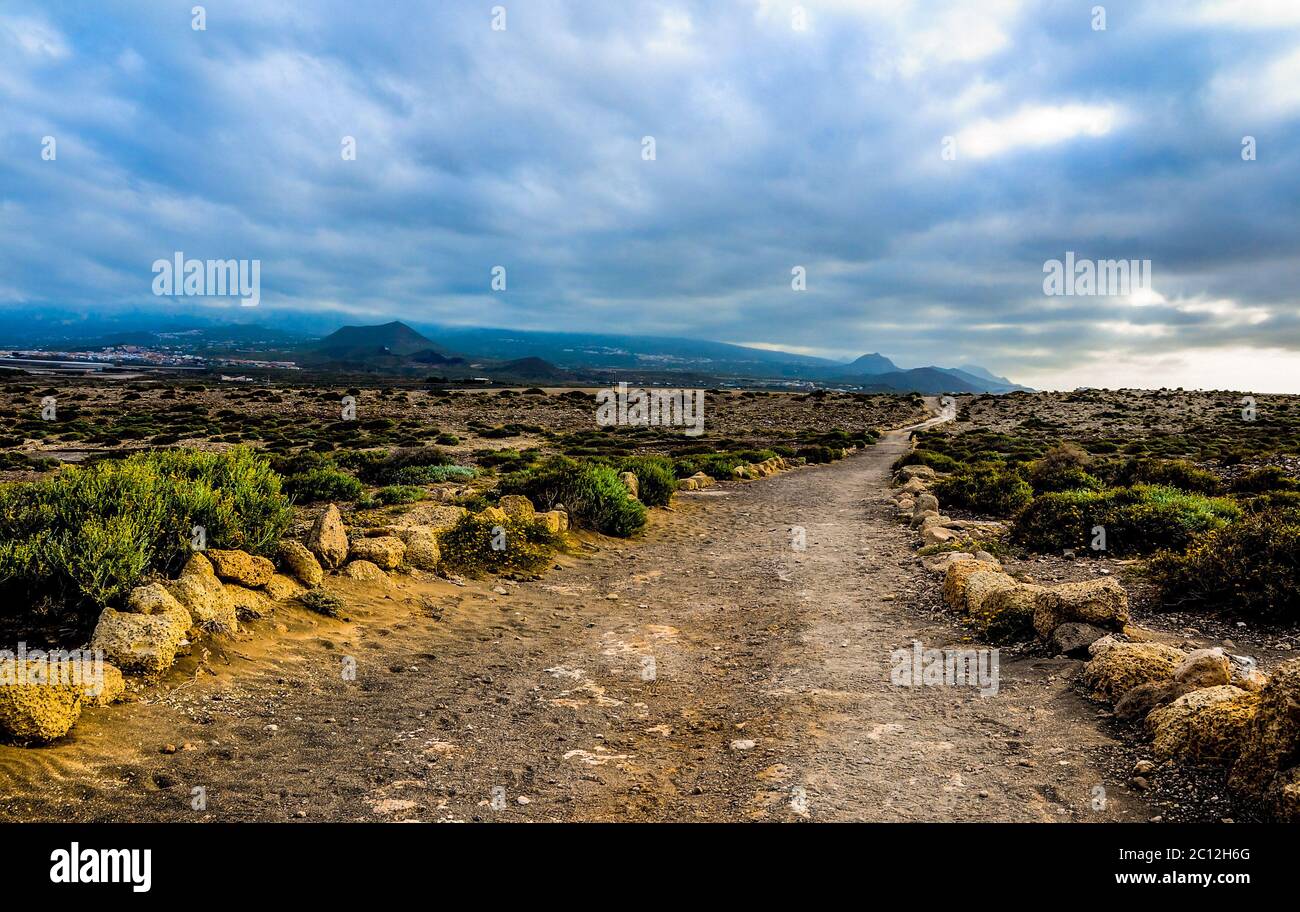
(734, 663)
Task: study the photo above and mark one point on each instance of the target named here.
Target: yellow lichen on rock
(1204, 726)
(954, 581)
(1115, 671)
(34, 709)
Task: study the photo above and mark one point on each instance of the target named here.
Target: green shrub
(1062, 468)
(401, 466)
(424, 475)
(820, 454)
(399, 494)
(654, 476)
(467, 547)
(323, 483)
(86, 535)
(1264, 480)
(1251, 567)
(718, 465)
(592, 494)
(986, 487)
(937, 461)
(1138, 520)
(1172, 473)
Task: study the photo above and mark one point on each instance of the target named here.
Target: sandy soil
(708, 671)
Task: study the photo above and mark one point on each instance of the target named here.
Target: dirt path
(626, 685)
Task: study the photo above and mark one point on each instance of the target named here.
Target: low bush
(937, 461)
(323, 483)
(1251, 567)
(398, 466)
(1137, 520)
(474, 546)
(1171, 473)
(1264, 480)
(592, 494)
(994, 488)
(654, 476)
(85, 536)
(718, 465)
(1062, 468)
(398, 494)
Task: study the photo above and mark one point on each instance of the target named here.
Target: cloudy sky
(920, 160)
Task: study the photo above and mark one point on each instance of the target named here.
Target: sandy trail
(710, 671)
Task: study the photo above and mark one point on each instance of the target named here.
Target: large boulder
(1273, 740)
(422, 551)
(107, 689)
(34, 709)
(493, 515)
(921, 517)
(1203, 726)
(1101, 601)
(283, 587)
(908, 472)
(1284, 796)
(438, 517)
(141, 644)
(936, 535)
(151, 598)
(365, 571)
(249, 604)
(385, 551)
(1117, 670)
(556, 521)
(241, 567)
(955, 577)
(1138, 702)
(925, 503)
(300, 562)
(630, 482)
(1006, 613)
(982, 586)
(519, 506)
(1073, 637)
(201, 593)
(1204, 668)
(328, 538)
(914, 487)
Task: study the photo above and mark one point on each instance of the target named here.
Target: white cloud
(33, 38)
(1264, 90)
(1249, 14)
(1035, 127)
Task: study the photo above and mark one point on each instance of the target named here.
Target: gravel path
(712, 670)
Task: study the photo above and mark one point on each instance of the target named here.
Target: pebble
(742, 745)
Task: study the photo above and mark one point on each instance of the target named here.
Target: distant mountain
(595, 351)
(538, 356)
(873, 363)
(927, 380)
(354, 343)
(1001, 384)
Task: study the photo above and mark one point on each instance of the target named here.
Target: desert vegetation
(1206, 496)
